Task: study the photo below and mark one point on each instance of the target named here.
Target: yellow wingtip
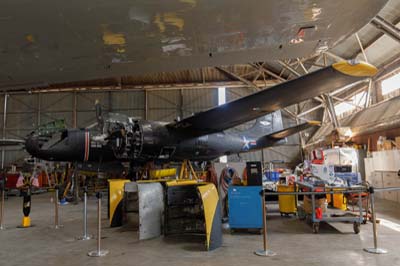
(356, 68)
(314, 123)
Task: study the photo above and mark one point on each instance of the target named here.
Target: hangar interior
(359, 127)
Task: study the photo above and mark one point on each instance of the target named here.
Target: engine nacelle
(128, 139)
(125, 138)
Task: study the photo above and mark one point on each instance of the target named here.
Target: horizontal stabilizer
(271, 139)
(293, 130)
(11, 142)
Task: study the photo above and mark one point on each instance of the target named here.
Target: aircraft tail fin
(266, 125)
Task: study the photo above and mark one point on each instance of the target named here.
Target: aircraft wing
(277, 97)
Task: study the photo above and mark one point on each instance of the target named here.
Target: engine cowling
(126, 139)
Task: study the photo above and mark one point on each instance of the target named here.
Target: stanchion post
(375, 249)
(56, 214)
(266, 252)
(85, 234)
(98, 252)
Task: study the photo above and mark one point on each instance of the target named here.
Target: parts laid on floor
(177, 207)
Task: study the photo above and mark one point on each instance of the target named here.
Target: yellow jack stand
(26, 222)
(186, 170)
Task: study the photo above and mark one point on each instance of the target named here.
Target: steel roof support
(310, 110)
(233, 75)
(331, 109)
(386, 27)
(369, 91)
(302, 66)
(347, 101)
(334, 56)
(269, 72)
(289, 67)
(361, 47)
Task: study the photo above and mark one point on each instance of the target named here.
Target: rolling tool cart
(316, 211)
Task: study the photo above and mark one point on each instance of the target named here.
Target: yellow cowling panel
(116, 191)
(161, 173)
(209, 196)
(360, 69)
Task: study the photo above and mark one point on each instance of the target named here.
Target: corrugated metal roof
(381, 113)
(379, 48)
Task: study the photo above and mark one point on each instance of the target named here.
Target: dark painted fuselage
(157, 142)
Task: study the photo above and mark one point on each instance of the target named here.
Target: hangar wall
(26, 111)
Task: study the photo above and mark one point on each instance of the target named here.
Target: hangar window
(221, 95)
(391, 85)
(346, 107)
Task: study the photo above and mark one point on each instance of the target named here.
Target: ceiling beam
(153, 87)
(302, 66)
(235, 76)
(331, 110)
(373, 40)
(269, 72)
(290, 68)
(361, 47)
(334, 56)
(386, 27)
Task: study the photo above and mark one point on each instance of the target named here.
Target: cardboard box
(387, 145)
(397, 141)
(319, 203)
(379, 143)
(325, 172)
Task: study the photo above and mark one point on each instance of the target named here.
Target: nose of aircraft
(68, 145)
(32, 145)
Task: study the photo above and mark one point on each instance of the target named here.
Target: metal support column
(74, 111)
(3, 186)
(4, 129)
(331, 109)
(180, 104)
(109, 97)
(39, 108)
(369, 91)
(146, 105)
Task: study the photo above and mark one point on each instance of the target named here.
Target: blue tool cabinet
(245, 207)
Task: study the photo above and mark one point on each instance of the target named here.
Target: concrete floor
(290, 238)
